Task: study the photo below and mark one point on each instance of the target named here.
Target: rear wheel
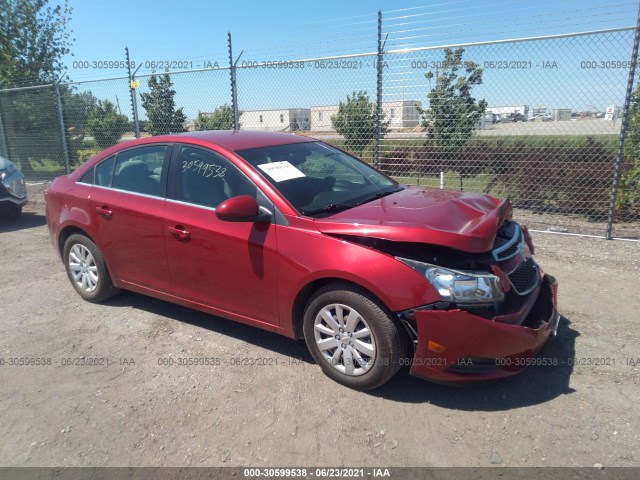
(353, 338)
(86, 269)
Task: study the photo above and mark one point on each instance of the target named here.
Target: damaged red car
(292, 235)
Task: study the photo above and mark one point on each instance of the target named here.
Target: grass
(452, 181)
(610, 142)
(564, 141)
(46, 166)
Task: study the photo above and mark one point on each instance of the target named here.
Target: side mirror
(242, 208)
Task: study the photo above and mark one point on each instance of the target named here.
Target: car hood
(459, 220)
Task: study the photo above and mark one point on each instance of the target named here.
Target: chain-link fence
(31, 134)
(541, 138)
(536, 119)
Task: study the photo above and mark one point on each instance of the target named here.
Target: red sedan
(294, 236)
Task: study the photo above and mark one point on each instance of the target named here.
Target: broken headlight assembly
(461, 288)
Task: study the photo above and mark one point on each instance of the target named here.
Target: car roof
(239, 139)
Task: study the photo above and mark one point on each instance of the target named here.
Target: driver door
(230, 266)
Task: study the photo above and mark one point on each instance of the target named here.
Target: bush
(85, 154)
(106, 125)
(564, 177)
(416, 161)
(356, 122)
(220, 119)
(628, 199)
(552, 178)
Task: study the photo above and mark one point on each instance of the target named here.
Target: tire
(353, 337)
(13, 213)
(86, 269)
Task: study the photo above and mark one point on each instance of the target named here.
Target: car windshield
(317, 179)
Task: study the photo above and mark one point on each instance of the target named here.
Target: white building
(321, 118)
(285, 120)
(400, 114)
(562, 115)
(506, 110)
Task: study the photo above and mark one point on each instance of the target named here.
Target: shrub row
(549, 177)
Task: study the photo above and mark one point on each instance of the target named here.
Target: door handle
(104, 212)
(180, 233)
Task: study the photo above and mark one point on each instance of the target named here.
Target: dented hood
(459, 220)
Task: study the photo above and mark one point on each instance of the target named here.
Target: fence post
(234, 91)
(4, 148)
(132, 92)
(379, 92)
(623, 130)
(63, 137)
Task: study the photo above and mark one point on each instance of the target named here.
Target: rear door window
(139, 170)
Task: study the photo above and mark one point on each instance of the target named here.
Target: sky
(192, 34)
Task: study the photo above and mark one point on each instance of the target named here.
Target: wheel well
(66, 233)
(297, 313)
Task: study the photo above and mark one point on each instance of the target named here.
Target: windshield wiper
(378, 195)
(331, 208)
(338, 207)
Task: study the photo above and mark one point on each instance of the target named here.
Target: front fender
(306, 257)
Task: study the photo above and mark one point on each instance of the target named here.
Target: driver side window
(205, 178)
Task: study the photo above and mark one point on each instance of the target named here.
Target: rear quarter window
(104, 172)
(87, 177)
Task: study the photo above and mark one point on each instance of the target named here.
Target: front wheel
(86, 269)
(352, 337)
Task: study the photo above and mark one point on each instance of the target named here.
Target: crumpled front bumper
(458, 346)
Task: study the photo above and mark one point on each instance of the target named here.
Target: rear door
(128, 202)
(231, 266)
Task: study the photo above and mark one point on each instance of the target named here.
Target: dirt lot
(135, 411)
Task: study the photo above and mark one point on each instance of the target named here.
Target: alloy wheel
(344, 339)
(83, 268)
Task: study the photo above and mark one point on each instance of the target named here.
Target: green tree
(76, 108)
(628, 199)
(33, 40)
(160, 106)
(106, 125)
(31, 124)
(34, 37)
(220, 119)
(453, 112)
(356, 122)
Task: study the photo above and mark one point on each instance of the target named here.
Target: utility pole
(133, 84)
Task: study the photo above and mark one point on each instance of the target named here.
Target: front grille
(509, 241)
(509, 252)
(525, 278)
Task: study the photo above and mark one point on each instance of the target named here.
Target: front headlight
(459, 287)
(8, 171)
(15, 186)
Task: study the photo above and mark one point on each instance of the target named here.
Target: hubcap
(83, 268)
(345, 339)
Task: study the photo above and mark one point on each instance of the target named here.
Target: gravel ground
(134, 411)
